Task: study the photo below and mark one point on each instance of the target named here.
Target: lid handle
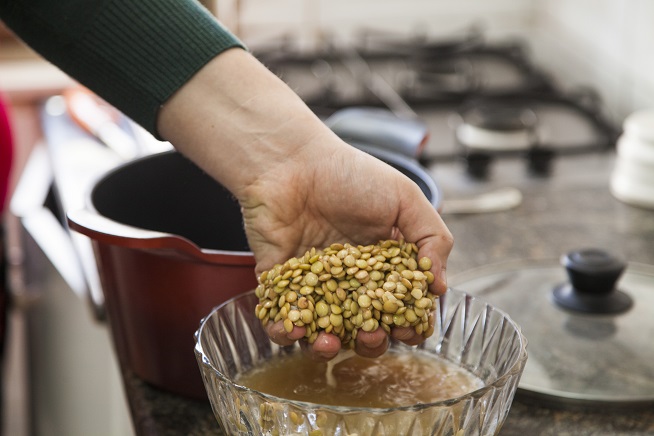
(593, 275)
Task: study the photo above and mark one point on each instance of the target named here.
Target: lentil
(344, 288)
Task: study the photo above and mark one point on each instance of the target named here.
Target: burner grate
(441, 82)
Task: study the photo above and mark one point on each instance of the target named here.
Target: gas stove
(480, 101)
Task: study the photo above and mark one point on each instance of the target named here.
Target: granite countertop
(571, 209)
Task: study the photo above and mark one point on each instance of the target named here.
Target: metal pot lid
(589, 321)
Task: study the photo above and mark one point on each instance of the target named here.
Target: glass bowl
(468, 332)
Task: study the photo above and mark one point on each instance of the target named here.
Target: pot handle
(380, 128)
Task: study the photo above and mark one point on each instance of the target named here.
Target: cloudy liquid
(392, 380)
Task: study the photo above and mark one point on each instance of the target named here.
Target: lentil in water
(392, 380)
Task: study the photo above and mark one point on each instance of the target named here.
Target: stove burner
(500, 117)
(497, 127)
(492, 129)
(417, 68)
(536, 127)
(481, 70)
(454, 76)
(502, 105)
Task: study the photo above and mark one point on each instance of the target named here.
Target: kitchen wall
(606, 44)
(257, 21)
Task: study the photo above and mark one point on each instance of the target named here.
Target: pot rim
(88, 221)
(409, 164)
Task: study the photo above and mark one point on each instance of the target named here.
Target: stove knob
(540, 161)
(593, 276)
(477, 164)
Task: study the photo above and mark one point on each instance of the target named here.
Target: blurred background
(59, 369)
(603, 44)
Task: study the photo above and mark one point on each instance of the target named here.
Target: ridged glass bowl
(468, 332)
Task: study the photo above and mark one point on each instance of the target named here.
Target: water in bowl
(394, 379)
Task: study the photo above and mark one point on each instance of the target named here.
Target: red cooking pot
(170, 245)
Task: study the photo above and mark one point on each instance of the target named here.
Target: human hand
(299, 185)
(327, 346)
(301, 208)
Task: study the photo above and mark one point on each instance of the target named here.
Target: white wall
(259, 20)
(606, 44)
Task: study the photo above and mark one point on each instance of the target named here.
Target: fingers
(419, 222)
(371, 344)
(407, 335)
(438, 247)
(325, 347)
(280, 336)
(368, 344)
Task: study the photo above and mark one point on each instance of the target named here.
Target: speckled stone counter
(571, 209)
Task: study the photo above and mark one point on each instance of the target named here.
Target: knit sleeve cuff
(155, 47)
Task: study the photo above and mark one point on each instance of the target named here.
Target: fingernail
(402, 333)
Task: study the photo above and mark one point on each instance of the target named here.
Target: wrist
(237, 121)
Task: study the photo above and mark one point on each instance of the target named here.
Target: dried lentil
(344, 288)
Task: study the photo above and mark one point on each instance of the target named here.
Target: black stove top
(479, 100)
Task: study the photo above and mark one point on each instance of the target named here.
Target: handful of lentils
(342, 289)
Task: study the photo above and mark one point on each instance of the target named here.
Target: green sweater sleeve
(133, 53)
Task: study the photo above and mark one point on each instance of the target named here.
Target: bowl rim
(501, 380)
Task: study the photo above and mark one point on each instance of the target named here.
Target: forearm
(134, 54)
(238, 120)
